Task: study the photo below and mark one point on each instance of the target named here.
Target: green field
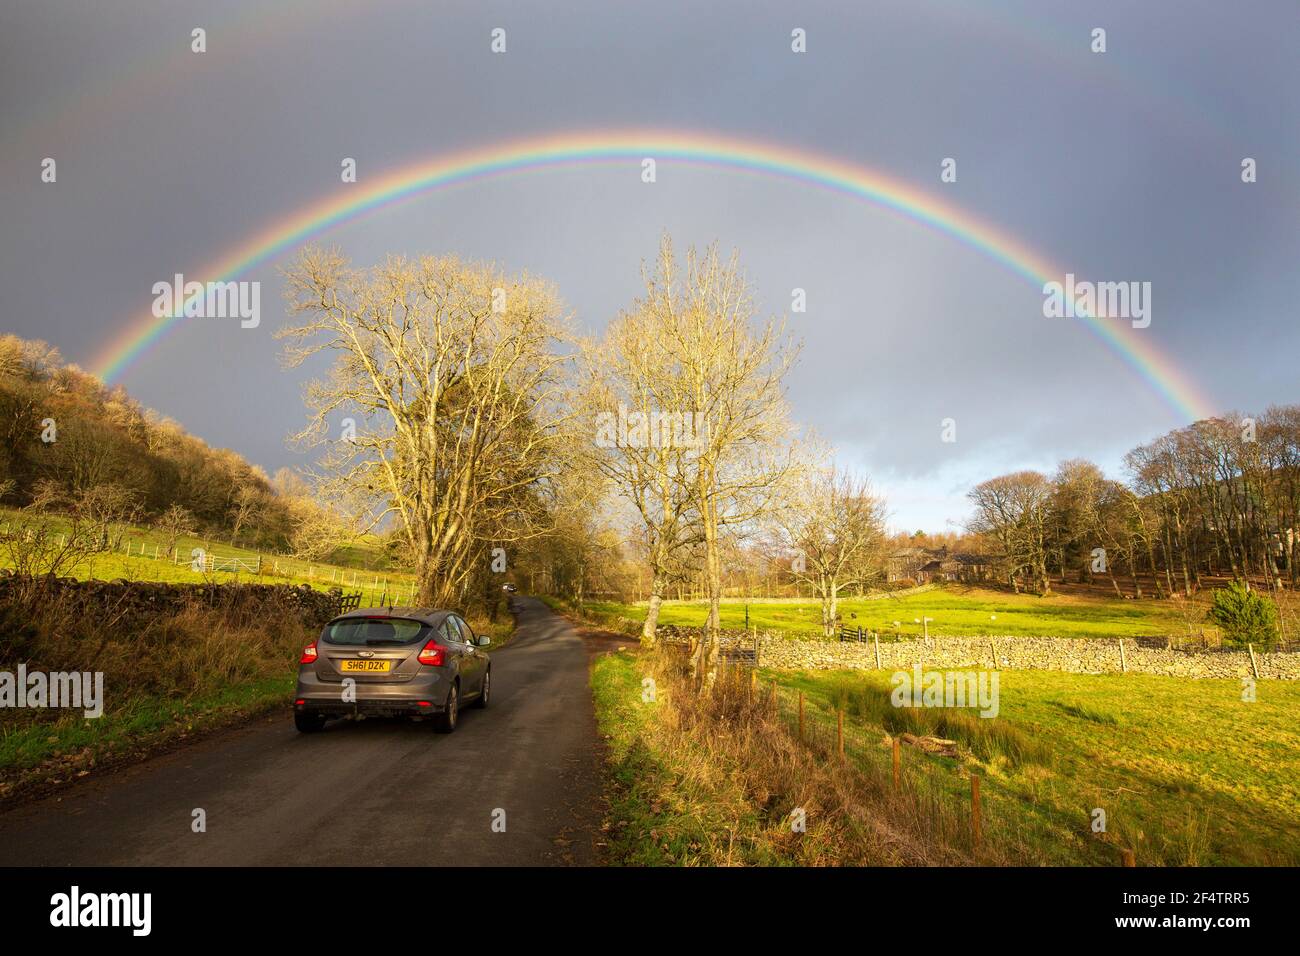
(1187, 772)
(956, 610)
(142, 556)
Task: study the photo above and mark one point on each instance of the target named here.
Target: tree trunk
(830, 607)
(650, 627)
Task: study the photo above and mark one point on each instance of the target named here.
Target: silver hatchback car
(392, 662)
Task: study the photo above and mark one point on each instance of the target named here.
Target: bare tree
(245, 509)
(837, 527)
(106, 508)
(449, 373)
(642, 443)
(316, 533)
(175, 523)
(729, 374)
(1013, 511)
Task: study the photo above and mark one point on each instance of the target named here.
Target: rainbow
(568, 150)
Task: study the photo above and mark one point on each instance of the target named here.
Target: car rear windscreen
(374, 630)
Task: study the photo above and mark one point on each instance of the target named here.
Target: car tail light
(434, 654)
(300, 702)
(308, 654)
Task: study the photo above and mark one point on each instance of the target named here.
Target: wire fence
(375, 589)
(918, 780)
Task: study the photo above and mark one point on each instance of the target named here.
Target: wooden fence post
(975, 810)
(1254, 668)
(875, 637)
(839, 732)
(1123, 663)
(801, 716)
(896, 764)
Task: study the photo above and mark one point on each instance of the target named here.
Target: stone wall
(1073, 655)
(131, 602)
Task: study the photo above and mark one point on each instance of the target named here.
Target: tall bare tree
(643, 441)
(441, 409)
(728, 371)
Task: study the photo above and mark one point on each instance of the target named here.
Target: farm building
(924, 565)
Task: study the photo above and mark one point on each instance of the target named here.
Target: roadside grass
(659, 814)
(1187, 773)
(714, 781)
(957, 610)
(502, 630)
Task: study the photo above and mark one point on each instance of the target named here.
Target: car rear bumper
(427, 694)
(368, 708)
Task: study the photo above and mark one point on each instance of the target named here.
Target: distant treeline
(1220, 497)
(67, 436)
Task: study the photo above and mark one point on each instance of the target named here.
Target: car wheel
(307, 722)
(445, 722)
(486, 691)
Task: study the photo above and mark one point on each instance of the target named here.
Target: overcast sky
(1124, 165)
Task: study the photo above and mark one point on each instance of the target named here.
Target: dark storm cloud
(1117, 166)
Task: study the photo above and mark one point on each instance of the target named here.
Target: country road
(376, 792)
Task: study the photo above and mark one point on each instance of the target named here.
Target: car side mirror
(484, 641)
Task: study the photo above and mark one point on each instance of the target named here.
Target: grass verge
(40, 756)
(715, 780)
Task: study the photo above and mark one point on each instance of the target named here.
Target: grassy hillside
(956, 610)
(142, 556)
(64, 432)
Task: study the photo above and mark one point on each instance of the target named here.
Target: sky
(1123, 165)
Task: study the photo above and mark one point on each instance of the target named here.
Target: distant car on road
(509, 588)
(409, 662)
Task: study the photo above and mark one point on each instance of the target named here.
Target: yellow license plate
(365, 667)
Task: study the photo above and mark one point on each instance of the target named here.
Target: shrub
(1244, 616)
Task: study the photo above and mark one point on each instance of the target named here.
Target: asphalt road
(374, 792)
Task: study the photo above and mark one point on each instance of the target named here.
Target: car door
(476, 658)
(464, 652)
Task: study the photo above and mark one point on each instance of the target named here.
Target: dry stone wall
(1072, 655)
(131, 602)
